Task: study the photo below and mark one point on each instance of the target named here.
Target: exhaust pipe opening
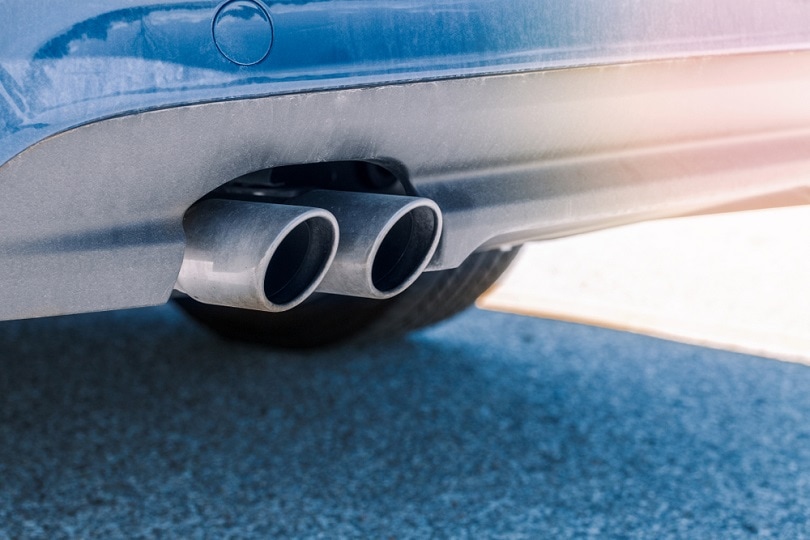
(386, 241)
(403, 249)
(298, 261)
(252, 255)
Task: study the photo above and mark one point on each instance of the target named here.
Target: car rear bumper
(92, 217)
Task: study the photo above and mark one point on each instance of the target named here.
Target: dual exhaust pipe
(271, 257)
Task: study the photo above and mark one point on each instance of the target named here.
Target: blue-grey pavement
(139, 424)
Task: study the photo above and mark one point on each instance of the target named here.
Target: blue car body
(72, 63)
(494, 95)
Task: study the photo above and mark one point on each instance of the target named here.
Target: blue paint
(243, 32)
(64, 64)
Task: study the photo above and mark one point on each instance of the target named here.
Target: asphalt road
(140, 424)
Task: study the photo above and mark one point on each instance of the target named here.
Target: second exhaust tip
(386, 241)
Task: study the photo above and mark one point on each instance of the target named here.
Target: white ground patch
(736, 281)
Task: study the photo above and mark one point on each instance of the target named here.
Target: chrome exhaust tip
(386, 241)
(253, 255)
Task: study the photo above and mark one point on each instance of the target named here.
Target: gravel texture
(138, 424)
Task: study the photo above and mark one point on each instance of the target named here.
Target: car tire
(326, 319)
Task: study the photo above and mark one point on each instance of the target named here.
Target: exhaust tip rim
(322, 231)
(425, 216)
